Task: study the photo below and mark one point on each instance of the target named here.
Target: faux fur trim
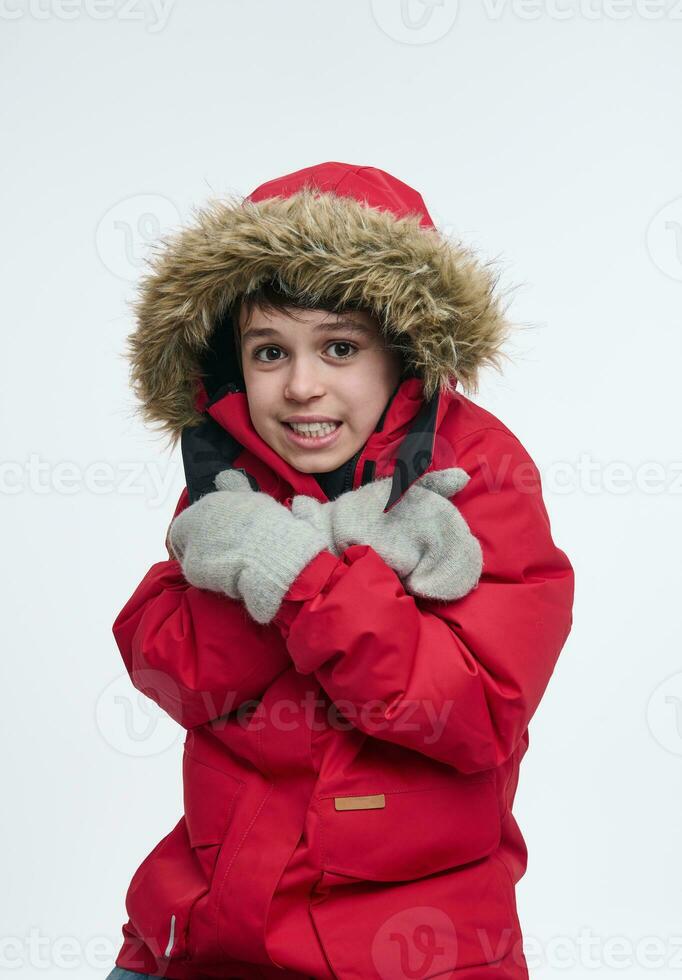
(433, 298)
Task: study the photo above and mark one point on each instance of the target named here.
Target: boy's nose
(303, 383)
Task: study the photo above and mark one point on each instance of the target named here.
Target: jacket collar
(403, 447)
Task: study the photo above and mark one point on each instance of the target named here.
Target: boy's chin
(315, 463)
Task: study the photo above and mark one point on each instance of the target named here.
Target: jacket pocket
(178, 872)
(162, 893)
(209, 791)
(411, 832)
(459, 923)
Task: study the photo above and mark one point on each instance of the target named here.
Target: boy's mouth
(312, 434)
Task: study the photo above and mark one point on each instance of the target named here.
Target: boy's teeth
(313, 428)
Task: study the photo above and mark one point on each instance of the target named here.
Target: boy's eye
(347, 345)
(258, 352)
(335, 343)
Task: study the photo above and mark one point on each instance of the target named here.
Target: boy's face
(319, 364)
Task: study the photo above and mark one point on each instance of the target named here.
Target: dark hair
(275, 294)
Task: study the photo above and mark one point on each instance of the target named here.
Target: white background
(546, 136)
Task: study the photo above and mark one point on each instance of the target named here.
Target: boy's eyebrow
(345, 322)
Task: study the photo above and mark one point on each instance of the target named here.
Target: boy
(355, 656)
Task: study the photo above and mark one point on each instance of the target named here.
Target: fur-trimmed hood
(334, 231)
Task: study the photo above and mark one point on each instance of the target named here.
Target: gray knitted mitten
(243, 543)
(424, 538)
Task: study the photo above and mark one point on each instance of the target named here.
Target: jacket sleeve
(197, 654)
(460, 680)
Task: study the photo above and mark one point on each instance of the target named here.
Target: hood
(339, 232)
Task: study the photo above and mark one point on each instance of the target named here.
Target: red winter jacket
(263, 866)
(349, 769)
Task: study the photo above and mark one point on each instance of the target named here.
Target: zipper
(348, 482)
(171, 938)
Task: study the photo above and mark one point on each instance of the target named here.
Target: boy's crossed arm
(197, 654)
(456, 679)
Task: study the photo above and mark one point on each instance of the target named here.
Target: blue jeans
(118, 973)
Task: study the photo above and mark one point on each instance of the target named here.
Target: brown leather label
(360, 802)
